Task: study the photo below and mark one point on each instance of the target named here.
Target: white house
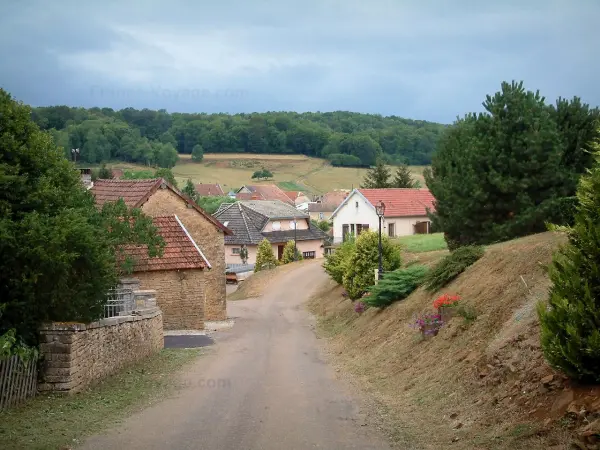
(405, 212)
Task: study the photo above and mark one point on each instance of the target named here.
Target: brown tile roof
(133, 192)
(334, 198)
(137, 192)
(293, 195)
(269, 192)
(180, 251)
(206, 189)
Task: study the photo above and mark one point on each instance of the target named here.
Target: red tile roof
(133, 192)
(292, 195)
(205, 189)
(180, 251)
(269, 192)
(401, 202)
(137, 192)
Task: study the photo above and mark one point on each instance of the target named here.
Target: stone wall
(76, 355)
(180, 296)
(210, 240)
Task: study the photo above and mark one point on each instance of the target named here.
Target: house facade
(325, 205)
(177, 276)
(278, 222)
(157, 197)
(405, 212)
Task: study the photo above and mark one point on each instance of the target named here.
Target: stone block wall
(211, 241)
(180, 296)
(76, 355)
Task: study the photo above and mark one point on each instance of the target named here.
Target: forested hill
(155, 137)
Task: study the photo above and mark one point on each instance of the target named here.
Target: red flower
(446, 300)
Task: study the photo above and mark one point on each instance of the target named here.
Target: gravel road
(264, 385)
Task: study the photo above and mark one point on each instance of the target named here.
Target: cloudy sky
(428, 59)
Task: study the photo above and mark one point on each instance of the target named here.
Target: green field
(418, 243)
(290, 172)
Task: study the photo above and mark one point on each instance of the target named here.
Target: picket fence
(18, 380)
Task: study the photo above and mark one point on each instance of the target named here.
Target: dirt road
(265, 386)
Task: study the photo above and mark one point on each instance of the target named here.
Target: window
(356, 204)
(358, 229)
(276, 226)
(352, 228)
(365, 227)
(292, 225)
(344, 232)
(321, 216)
(391, 229)
(235, 250)
(308, 255)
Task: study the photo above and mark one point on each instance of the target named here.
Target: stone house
(177, 276)
(254, 220)
(157, 197)
(405, 212)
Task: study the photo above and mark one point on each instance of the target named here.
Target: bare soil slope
(481, 385)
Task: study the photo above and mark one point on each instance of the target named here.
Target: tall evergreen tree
(570, 324)
(190, 190)
(377, 177)
(498, 175)
(403, 178)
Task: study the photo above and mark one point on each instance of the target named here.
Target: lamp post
(295, 236)
(380, 210)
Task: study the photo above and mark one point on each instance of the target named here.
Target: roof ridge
(243, 214)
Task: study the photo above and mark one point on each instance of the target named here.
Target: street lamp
(295, 236)
(380, 210)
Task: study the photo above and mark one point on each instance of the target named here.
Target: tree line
(155, 138)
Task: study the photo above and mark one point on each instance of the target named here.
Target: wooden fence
(18, 380)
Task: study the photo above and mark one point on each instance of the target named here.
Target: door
(280, 251)
(391, 229)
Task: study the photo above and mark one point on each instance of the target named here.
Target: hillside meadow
(290, 172)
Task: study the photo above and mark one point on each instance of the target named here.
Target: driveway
(264, 385)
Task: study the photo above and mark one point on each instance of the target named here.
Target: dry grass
(474, 385)
(232, 170)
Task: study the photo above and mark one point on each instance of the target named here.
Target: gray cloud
(429, 60)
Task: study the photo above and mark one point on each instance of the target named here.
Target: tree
(60, 254)
(336, 263)
(377, 177)
(267, 174)
(498, 175)
(570, 323)
(263, 173)
(288, 253)
(360, 267)
(197, 153)
(105, 173)
(265, 258)
(167, 174)
(403, 178)
(211, 203)
(190, 190)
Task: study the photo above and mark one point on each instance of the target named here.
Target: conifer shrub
(335, 264)
(570, 322)
(452, 266)
(288, 253)
(265, 258)
(360, 267)
(396, 285)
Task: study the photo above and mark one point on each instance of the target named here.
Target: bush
(570, 324)
(395, 286)
(335, 264)
(360, 267)
(265, 257)
(288, 253)
(452, 266)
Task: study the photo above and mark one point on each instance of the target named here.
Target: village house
(157, 197)
(278, 222)
(263, 192)
(208, 190)
(405, 212)
(177, 276)
(299, 198)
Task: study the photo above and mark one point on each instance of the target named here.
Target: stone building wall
(180, 296)
(76, 355)
(210, 240)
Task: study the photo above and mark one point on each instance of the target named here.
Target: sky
(429, 59)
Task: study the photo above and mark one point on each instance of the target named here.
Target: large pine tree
(377, 177)
(498, 175)
(403, 178)
(570, 324)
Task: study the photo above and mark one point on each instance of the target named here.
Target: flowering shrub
(359, 307)
(428, 323)
(446, 300)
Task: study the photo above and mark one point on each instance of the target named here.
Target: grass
(55, 421)
(418, 243)
(290, 172)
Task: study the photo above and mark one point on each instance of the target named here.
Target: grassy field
(61, 422)
(291, 172)
(418, 243)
